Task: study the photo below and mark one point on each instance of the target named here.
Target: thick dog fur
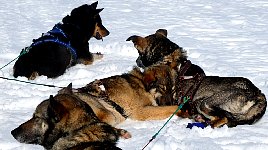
(51, 58)
(124, 96)
(65, 122)
(216, 100)
(157, 48)
(68, 122)
(112, 99)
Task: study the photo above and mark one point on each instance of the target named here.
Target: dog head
(87, 18)
(156, 48)
(54, 118)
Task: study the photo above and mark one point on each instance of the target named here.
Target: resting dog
(215, 100)
(65, 122)
(112, 99)
(64, 46)
(157, 49)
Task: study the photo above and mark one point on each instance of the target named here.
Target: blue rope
(185, 100)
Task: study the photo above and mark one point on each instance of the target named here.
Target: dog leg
(123, 133)
(85, 61)
(91, 59)
(218, 122)
(183, 114)
(97, 56)
(33, 75)
(153, 113)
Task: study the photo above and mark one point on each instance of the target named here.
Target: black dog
(64, 46)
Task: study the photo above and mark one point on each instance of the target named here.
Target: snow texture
(225, 38)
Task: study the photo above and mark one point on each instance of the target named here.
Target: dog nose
(108, 32)
(15, 132)
(139, 62)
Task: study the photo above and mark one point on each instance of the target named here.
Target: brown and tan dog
(65, 122)
(157, 49)
(215, 100)
(123, 96)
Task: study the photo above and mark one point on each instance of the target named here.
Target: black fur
(51, 58)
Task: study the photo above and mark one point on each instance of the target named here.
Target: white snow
(226, 38)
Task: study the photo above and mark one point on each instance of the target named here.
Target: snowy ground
(226, 38)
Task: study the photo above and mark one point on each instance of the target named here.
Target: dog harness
(97, 89)
(193, 88)
(56, 35)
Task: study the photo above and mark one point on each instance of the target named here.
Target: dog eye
(44, 126)
(56, 119)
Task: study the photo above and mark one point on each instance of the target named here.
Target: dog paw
(124, 134)
(198, 118)
(218, 122)
(97, 56)
(33, 75)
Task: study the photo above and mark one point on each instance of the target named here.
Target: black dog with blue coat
(63, 46)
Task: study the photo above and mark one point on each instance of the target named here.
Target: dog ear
(98, 10)
(70, 86)
(139, 42)
(66, 90)
(94, 5)
(133, 38)
(162, 32)
(66, 19)
(55, 109)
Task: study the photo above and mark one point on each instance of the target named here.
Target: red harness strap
(191, 91)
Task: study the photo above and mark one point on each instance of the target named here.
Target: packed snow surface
(225, 38)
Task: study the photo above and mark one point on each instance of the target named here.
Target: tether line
(185, 100)
(48, 85)
(24, 51)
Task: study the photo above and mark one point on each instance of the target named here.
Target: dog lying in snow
(64, 46)
(215, 100)
(65, 122)
(158, 49)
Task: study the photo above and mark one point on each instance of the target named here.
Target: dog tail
(250, 113)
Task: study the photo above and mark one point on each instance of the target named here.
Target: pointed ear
(66, 90)
(98, 10)
(139, 42)
(70, 86)
(162, 32)
(133, 38)
(55, 109)
(94, 5)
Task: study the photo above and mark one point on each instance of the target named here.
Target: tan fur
(127, 91)
(100, 31)
(33, 75)
(216, 100)
(65, 122)
(89, 61)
